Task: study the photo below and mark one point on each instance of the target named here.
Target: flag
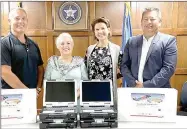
(127, 28)
(126, 31)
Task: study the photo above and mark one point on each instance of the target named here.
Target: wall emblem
(70, 13)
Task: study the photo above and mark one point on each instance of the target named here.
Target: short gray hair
(59, 39)
(14, 10)
(150, 9)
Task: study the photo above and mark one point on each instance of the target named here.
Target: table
(180, 123)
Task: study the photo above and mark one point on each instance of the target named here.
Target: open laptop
(96, 96)
(60, 96)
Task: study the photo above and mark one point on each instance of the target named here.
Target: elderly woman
(65, 66)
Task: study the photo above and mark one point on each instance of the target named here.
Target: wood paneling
(175, 17)
(181, 71)
(165, 7)
(49, 18)
(92, 40)
(80, 46)
(91, 13)
(4, 18)
(73, 33)
(117, 40)
(36, 13)
(182, 51)
(50, 45)
(180, 79)
(182, 17)
(38, 20)
(41, 41)
(112, 11)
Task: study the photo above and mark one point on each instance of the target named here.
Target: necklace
(67, 61)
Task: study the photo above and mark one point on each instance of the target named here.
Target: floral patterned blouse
(100, 64)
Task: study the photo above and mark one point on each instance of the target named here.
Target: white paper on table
(18, 106)
(147, 104)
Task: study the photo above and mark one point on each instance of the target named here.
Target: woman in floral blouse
(102, 58)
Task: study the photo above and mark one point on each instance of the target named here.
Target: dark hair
(101, 20)
(150, 9)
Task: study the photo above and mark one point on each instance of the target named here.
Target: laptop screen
(96, 91)
(60, 92)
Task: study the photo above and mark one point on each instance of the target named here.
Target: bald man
(21, 62)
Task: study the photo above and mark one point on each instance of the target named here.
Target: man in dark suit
(150, 59)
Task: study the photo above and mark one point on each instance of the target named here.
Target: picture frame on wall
(70, 15)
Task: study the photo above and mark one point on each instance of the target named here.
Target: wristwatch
(39, 89)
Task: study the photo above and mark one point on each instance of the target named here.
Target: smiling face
(65, 45)
(18, 21)
(150, 23)
(101, 31)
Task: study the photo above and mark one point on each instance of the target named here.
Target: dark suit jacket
(160, 61)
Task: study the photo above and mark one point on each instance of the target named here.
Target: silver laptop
(96, 96)
(60, 96)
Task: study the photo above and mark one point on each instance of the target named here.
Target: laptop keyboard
(97, 108)
(103, 111)
(58, 108)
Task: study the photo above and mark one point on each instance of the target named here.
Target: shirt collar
(15, 38)
(150, 39)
